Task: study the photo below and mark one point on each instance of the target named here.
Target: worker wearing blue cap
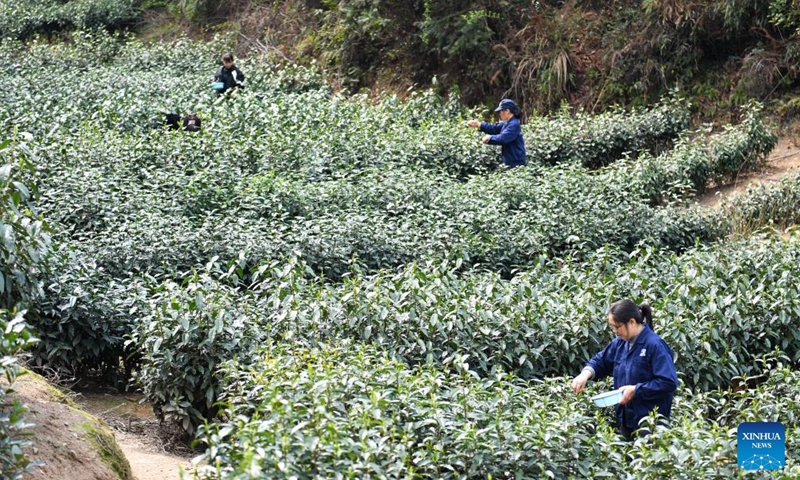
(507, 133)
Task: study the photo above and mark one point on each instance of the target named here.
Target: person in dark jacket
(641, 363)
(507, 133)
(229, 74)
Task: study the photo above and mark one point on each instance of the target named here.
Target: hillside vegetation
(587, 53)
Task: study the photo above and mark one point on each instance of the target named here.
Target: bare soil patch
(153, 451)
(69, 443)
(783, 161)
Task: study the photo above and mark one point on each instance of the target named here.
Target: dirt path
(138, 434)
(147, 464)
(783, 161)
(68, 443)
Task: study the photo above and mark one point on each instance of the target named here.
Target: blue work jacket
(509, 135)
(648, 366)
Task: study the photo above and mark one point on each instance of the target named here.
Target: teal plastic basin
(217, 86)
(607, 399)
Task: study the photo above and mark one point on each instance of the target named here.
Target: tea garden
(328, 285)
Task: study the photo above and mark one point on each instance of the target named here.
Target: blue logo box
(761, 446)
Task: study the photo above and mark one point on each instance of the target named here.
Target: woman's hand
(486, 138)
(580, 381)
(474, 123)
(628, 391)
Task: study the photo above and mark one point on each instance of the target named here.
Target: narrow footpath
(138, 434)
(783, 161)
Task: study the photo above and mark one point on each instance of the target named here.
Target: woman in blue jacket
(641, 363)
(507, 133)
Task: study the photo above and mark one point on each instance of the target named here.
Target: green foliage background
(24, 255)
(544, 53)
(584, 53)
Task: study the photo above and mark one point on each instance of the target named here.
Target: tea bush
(549, 320)
(598, 140)
(210, 192)
(325, 166)
(707, 448)
(719, 308)
(344, 283)
(297, 115)
(188, 332)
(502, 220)
(85, 318)
(25, 235)
(693, 164)
(24, 254)
(161, 203)
(762, 206)
(24, 18)
(346, 411)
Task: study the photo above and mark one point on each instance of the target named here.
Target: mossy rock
(67, 442)
(103, 440)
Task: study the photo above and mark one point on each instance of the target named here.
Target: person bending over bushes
(641, 363)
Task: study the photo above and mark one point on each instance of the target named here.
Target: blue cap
(506, 104)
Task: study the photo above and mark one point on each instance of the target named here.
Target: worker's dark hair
(623, 310)
(228, 57)
(191, 123)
